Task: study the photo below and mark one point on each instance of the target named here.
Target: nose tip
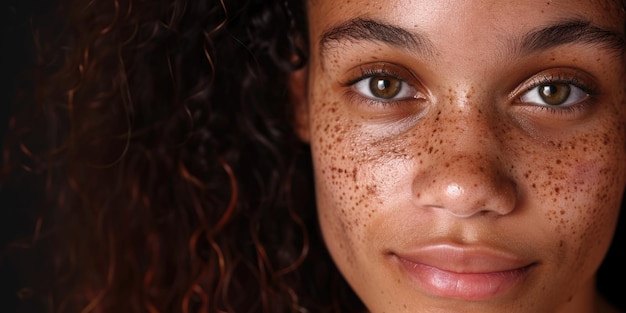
(466, 187)
(454, 190)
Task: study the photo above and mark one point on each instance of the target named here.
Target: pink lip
(470, 273)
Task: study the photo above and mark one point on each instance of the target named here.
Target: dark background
(16, 64)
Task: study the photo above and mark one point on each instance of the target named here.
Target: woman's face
(470, 156)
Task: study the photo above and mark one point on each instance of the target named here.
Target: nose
(467, 176)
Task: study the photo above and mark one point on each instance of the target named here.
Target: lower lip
(466, 286)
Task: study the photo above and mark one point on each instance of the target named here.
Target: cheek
(354, 174)
(578, 184)
(335, 175)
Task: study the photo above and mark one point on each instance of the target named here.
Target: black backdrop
(16, 62)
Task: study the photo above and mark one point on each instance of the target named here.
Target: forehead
(474, 29)
(496, 13)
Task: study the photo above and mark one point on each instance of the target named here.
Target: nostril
(459, 213)
(473, 185)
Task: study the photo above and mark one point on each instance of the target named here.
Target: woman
(465, 157)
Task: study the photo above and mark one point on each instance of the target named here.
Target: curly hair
(174, 179)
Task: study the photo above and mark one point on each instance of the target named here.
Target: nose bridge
(465, 124)
(466, 174)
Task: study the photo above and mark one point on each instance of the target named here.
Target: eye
(384, 88)
(554, 94)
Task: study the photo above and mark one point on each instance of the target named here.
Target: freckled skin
(466, 163)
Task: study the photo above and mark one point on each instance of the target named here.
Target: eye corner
(555, 88)
(384, 82)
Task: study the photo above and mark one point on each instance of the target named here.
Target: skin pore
(469, 156)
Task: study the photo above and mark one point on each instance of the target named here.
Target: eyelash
(367, 73)
(564, 77)
(560, 78)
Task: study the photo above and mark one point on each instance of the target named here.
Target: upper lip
(465, 259)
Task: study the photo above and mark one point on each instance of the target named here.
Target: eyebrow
(571, 31)
(369, 30)
(557, 34)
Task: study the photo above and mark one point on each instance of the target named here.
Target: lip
(464, 272)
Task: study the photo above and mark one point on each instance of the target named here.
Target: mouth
(473, 273)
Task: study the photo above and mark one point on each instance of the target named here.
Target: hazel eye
(384, 88)
(554, 94)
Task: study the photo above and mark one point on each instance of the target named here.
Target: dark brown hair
(173, 179)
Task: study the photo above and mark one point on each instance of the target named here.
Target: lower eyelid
(567, 112)
(551, 114)
(409, 105)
